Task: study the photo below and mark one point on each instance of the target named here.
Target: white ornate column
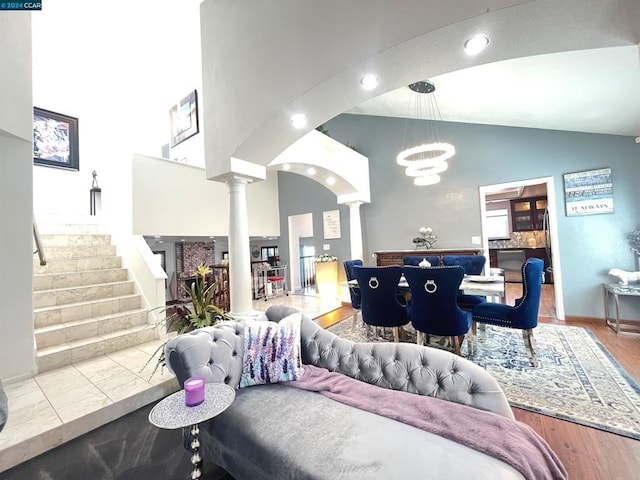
(355, 230)
(239, 255)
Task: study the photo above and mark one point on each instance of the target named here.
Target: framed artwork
(589, 192)
(184, 119)
(55, 140)
(331, 224)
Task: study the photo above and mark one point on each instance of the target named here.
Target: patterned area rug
(577, 378)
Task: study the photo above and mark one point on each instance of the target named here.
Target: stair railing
(36, 237)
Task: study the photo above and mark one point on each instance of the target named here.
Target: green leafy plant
(200, 312)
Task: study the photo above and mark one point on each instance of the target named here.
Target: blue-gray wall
(485, 155)
(298, 195)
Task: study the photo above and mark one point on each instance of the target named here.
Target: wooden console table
(394, 257)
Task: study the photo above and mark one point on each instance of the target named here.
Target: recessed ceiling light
(182, 240)
(286, 166)
(299, 120)
(476, 44)
(157, 236)
(369, 81)
(331, 180)
(311, 171)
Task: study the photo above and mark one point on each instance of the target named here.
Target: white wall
(17, 355)
(120, 78)
(173, 199)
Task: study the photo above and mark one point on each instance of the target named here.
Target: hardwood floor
(587, 453)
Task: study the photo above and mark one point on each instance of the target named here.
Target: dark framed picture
(184, 119)
(55, 140)
(589, 192)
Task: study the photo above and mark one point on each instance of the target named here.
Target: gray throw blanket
(513, 442)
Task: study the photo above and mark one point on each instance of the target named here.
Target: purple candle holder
(194, 391)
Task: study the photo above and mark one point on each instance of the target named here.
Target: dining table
(483, 285)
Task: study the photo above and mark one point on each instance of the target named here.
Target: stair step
(46, 316)
(51, 240)
(86, 293)
(79, 251)
(76, 351)
(84, 303)
(89, 327)
(80, 264)
(85, 226)
(49, 281)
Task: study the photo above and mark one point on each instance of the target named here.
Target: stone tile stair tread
(41, 352)
(77, 255)
(78, 236)
(42, 280)
(84, 321)
(51, 250)
(86, 302)
(86, 287)
(80, 272)
(52, 262)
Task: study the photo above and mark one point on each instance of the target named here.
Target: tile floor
(58, 405)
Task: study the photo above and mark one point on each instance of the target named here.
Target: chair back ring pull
(374, 283)
(430, 286)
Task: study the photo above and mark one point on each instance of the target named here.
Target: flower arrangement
(325, 257)
(201, 312)
(426, 239)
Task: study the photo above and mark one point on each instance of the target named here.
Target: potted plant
(200, 312)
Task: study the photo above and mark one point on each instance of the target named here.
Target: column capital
(236, 180)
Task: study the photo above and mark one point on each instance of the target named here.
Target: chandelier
(428, 156)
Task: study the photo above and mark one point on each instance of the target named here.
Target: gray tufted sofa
(279, 432)
(4, 407)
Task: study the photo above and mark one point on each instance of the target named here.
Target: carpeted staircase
(84, 303)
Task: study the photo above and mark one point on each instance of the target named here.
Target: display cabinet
(527, 214)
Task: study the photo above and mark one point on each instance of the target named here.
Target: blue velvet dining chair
(354, 291)
(472, 265)
(380, 305)
(414, 260)
(433, 309)
(522, 315)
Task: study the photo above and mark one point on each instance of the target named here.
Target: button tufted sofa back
(4, 407)
(215, 353)
(407, 367)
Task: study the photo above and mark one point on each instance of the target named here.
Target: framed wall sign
(589, 192)
(184, 119)
(331, 223)
(55, 140)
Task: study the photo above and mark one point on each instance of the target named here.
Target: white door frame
(299, 226)
(553, 229)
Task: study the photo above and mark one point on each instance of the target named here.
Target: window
(269, 254)
(497, 223)
(161, 259)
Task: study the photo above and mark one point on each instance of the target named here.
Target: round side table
(172, 412)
